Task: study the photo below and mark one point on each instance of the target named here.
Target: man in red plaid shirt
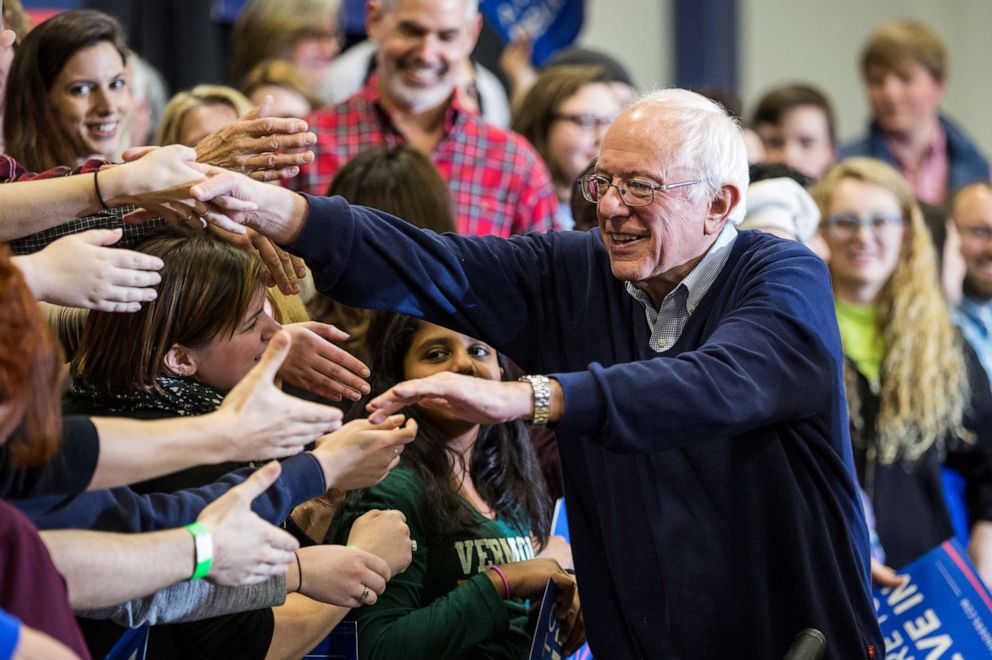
(498, 183)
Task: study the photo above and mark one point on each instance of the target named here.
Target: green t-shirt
(861, 335)
(442, 606)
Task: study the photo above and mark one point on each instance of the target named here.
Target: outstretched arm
(103, 568)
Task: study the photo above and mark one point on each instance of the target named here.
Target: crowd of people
(328, 344)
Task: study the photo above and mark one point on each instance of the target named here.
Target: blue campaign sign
(133, 645)
(943, 611)
(545, 645)
(559, 527)
(550, 25)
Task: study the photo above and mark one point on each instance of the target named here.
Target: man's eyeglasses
(587, 120)
(633, 192)
(846, 225)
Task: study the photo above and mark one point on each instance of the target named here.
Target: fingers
(259, 481)
(264, 127)
(884, 576)
(277, 263)
(275, 354)
(300, 267)
(328, 331)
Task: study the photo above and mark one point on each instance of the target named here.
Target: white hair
(712, 144)
(471, 7)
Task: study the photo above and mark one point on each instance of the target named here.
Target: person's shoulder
(333, 114)
(860, 146)
(757, 251)
(497, 137)
(14, 525)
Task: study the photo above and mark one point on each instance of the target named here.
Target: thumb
(260, 480)
(275, 354)
(101, 236)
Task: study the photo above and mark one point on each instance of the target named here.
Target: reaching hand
(247, 550)
(253, 143)
(81, 271)
(558, 549)
(475, 400)
(386, 535)
(360, 454)
(317, 365)
(266, 422)
(340, 575)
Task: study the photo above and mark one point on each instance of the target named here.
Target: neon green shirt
(861, 335)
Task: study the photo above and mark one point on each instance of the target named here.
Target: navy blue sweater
(712, 503)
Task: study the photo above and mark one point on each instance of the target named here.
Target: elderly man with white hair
(692, 372)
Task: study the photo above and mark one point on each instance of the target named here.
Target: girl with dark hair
(474, 500)
(67, 97)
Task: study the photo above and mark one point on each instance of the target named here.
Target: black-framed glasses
(633, 192)
(847, 225)
(586, 120)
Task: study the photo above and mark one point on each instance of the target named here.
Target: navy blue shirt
(711, 496)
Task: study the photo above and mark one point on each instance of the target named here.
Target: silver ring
(413, 542)
(365, 594)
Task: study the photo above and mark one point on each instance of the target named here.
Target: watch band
(542, 399)
(203, 543)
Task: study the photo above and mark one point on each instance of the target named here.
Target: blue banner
(550, 25)
(943, 611)
(340, 644)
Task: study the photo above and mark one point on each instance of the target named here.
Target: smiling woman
(68, 96)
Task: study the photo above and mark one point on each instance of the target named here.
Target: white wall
(819, 41)
(637, 33)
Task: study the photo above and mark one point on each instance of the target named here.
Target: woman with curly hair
(917, 396)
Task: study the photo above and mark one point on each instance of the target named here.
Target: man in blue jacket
(693, 374)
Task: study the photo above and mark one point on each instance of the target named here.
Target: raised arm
(104, 569)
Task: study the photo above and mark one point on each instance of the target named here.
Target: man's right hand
(247, 550)
(384, 534)
(360, 454)
(262, 421)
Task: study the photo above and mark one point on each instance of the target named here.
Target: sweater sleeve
(192, 601)
(400, 625)
(123, 510)
(773, 357)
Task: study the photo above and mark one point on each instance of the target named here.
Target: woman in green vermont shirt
(918, 398)
(473, 498)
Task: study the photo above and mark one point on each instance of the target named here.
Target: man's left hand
(254, 145)
(473, 399)
(318, 366)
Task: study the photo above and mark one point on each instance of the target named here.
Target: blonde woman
(193, 115)
(917, 396)
(304, 32)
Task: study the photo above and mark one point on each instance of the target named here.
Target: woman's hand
(360, 454)
(318, 366)
(884, 576)
(528, 579)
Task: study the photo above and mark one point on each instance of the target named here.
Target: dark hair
(615, 72)
(398, 180)
(761, 171)
(207, 286)
(30, 373)
(776, 103)
(503, 465)
(32, 131)
(535, 114)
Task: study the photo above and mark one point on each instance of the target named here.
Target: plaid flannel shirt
(12, 171)
(499, 185)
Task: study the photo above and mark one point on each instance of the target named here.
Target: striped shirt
(668, 321)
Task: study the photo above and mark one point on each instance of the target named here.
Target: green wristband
(203, 543)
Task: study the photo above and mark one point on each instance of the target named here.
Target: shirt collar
(701, 278)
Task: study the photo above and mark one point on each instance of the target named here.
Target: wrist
(216, 436)
(498, 579)
(294, 574)
(113, 182)
(33, 276)
(287, 217)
